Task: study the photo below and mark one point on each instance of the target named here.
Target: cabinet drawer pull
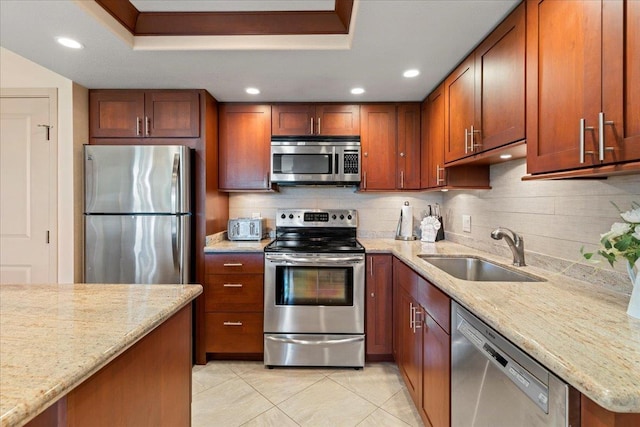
(584, 128)
(147, 125)
(438, 179)
(232, 323)
(232, 285)
(601, 145)
(137, 126)
(319, 126)
(233, 264)
(466, 141)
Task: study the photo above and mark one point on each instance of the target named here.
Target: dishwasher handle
(533, 388)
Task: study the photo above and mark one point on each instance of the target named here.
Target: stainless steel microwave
(315, 160)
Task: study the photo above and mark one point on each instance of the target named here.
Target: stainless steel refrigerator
(137, 214)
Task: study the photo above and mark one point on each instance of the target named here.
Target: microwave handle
(336, 167)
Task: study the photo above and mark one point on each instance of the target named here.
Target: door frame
(52, 95)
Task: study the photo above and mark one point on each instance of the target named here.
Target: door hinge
(48, 241)
(48, 127)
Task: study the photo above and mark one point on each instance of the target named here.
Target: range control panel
(316, 218)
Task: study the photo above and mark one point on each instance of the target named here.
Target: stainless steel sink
(477, 269)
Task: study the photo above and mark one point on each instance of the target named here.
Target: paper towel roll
(406, 227)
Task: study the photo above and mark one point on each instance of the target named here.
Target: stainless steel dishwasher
(493, 383)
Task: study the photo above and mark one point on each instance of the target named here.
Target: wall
(378, 213)
(556, 218)
(18, 72)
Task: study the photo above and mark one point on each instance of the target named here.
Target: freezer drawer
(129, 179)
(136, 248)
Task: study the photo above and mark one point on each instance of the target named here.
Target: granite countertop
(578, 330)
(55, 336)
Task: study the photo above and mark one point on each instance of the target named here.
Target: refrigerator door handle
(89, 182)
(175, 238)
(175, 188)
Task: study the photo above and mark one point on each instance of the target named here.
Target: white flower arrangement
(623, 240)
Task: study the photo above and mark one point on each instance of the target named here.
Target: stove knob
(283, 216)
(334, 216)
(290, 216)
(349, 217)
(341, 217)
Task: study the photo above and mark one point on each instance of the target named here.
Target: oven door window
(302, 163)
(329, 286)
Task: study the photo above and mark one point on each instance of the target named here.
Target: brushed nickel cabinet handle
(232, 285)
(318, 125)
(147, 125)
(311, 125)
(473, 144)
(232, 323)
(138, 126)
(438, 179)
(232, 264)
(466, 134)
(583, 128)
(601, 143)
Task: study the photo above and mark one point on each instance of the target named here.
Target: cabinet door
(172, 114)
(337, 120)
(408, 175)
(621, 81)
(379, 305)
(436, 369)
(292, 119)
(435, 135)
(244, 146)
(411, 345)
(459, 111)
(563, 83)
(500, 83)
(378, 139)
(116, 113)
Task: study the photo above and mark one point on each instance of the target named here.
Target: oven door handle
(318, 260)
(315, 342)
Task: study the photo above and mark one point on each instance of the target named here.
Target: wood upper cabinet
(408, 171)
(315, 119)
(485, 94)
(244, 146)
(434, 174)
(390, 138)
(583, 84)
(144, 114)
(379, 299)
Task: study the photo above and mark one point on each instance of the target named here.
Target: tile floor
(227, 394)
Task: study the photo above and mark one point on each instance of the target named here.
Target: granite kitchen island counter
(54, 337)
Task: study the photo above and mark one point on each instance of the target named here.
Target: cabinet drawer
(436, 302)
(232, 263)
(233, 292)
(234, 332)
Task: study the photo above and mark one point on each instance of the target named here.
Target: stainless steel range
(314, 290)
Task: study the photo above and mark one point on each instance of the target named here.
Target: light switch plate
(466, 223)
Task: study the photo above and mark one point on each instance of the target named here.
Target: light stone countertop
(579, 331)
(55, 336)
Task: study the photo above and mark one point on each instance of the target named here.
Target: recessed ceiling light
(252, 91)
(506, 156)
(411, 73)
(357, 91)
(67, 42)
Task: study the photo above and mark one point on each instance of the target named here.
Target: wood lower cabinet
(379, 307)
(593, 415)
(144, 113)
(315, 119)
(583, 86)
(390, 138)
(233, 303)
(245, 143)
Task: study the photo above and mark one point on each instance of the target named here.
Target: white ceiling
(389, 36)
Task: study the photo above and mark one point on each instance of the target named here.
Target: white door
(27, 189)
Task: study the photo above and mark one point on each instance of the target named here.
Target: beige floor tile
(274, 417)
(210, 375)
(231, 403)
(278, 385)
(327, 403)
(401, 406)
(376, 383)
(381, 418)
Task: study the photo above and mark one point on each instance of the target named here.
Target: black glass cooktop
(297, 240)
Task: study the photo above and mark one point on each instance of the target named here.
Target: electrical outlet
(466, 223)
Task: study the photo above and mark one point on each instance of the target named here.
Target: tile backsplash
(556, 218)
(378, 213)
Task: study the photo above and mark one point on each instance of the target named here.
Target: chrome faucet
(515, 242)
